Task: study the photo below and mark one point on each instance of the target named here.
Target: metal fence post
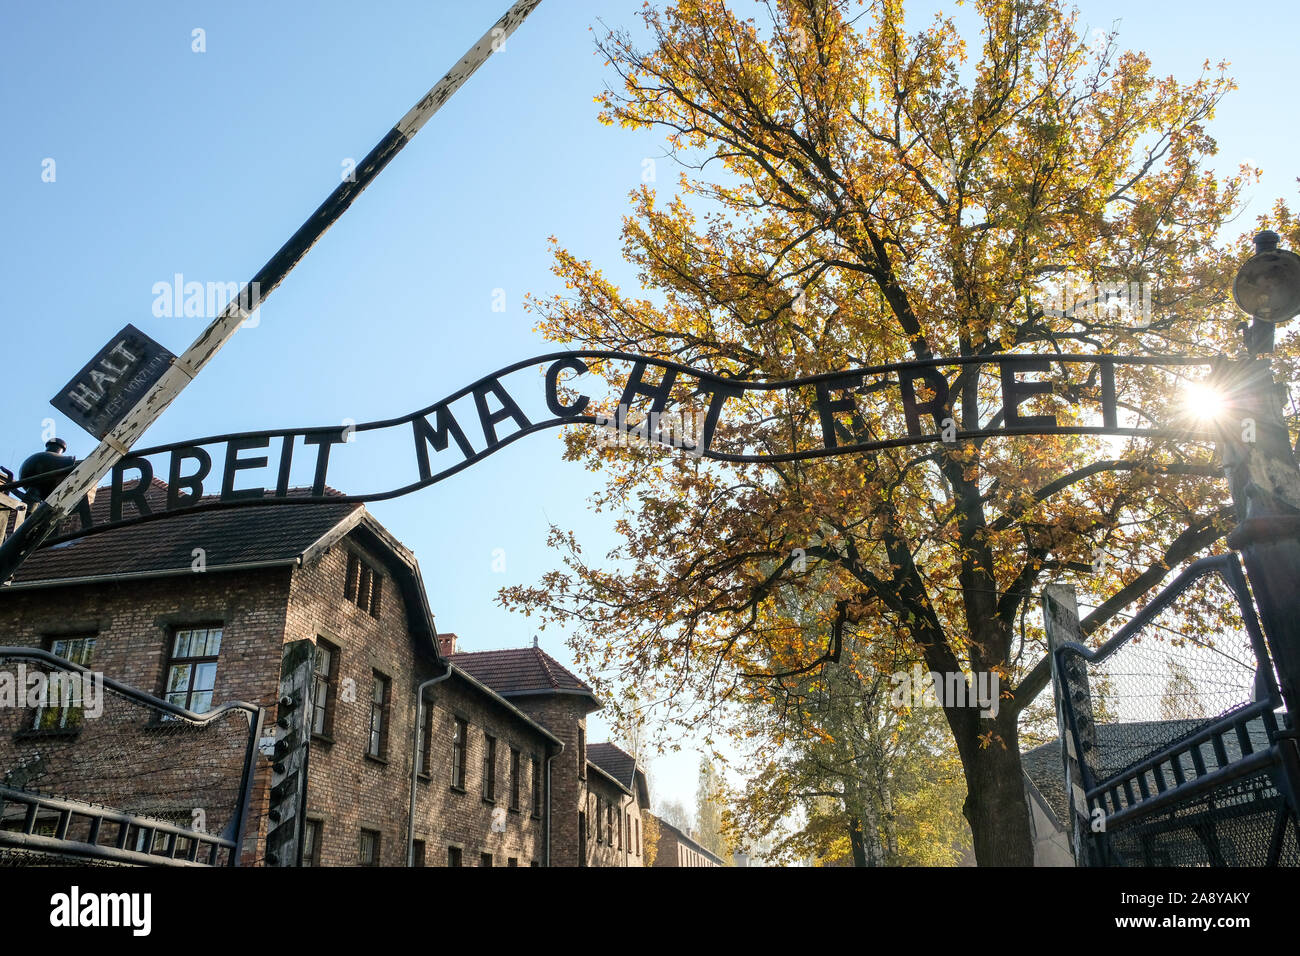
(1074, 715)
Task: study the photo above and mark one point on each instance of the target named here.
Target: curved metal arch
(576, 361)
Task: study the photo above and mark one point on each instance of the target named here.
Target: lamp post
(1258, 459)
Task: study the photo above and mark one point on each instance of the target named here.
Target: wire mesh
(1175, 719)
(111, 753)
(1191, 664)
(1233, 825)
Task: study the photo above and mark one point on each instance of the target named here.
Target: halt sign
(101, 394)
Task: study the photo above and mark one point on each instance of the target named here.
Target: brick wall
(563, 715)
(464, 817)
(348, 789)
(126, 758)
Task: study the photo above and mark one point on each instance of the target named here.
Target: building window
(353, 577)
(324, 678)
(609, 822)
(582, 753)
(512, 861)
(192, 667)
(369, 855)
(458, 748)
(453, 856)
(638, 837)
(537, 786)
(514, 779)
(426, 738)
(66, 713)
(363, 585)
(600, 827)
(485, 859)
(378, 746)
(363, 588)
(311, 834)
(417, 853)
(489, 767)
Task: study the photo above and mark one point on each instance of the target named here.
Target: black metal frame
(719, 387)
(231, 839)
(1116, 795)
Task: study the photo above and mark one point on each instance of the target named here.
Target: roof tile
(520, 670)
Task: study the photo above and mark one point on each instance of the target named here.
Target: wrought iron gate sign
(101, 394)
(824, 415)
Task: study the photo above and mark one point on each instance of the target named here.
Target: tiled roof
(613, 760)
(228, 536)
(518, 671)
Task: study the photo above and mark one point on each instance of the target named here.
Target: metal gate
(1177, 748)
(93, 770)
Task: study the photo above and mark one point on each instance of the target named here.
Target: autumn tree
(856, 192)
(709, 811)
(649, 837)
(846, 771)
(674, 812)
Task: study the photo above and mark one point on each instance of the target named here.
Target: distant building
(598, 793)
(677, 848)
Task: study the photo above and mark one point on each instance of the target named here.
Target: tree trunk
(995, 805)
(855, 841)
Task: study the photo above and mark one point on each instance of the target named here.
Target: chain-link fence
(91, 769)
(1176, 722)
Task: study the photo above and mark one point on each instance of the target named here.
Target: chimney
(534, 640)
(447, 644)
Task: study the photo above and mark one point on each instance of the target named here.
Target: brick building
(598, 793)
(197, 608)
(677, 848)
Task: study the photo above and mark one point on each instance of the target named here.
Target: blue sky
(169, 161)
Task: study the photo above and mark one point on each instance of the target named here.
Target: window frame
(538, 793)
(317, 826)
(378, 845)
(516, 763)
(489, 768)
(64, 711)
(459, 753)
(455, 856)
(380, 679)
(425, 751)
(172, 661)
(330, 684)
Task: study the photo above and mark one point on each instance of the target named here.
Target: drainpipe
(548, 800)
(627, 818)
(415, 759)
